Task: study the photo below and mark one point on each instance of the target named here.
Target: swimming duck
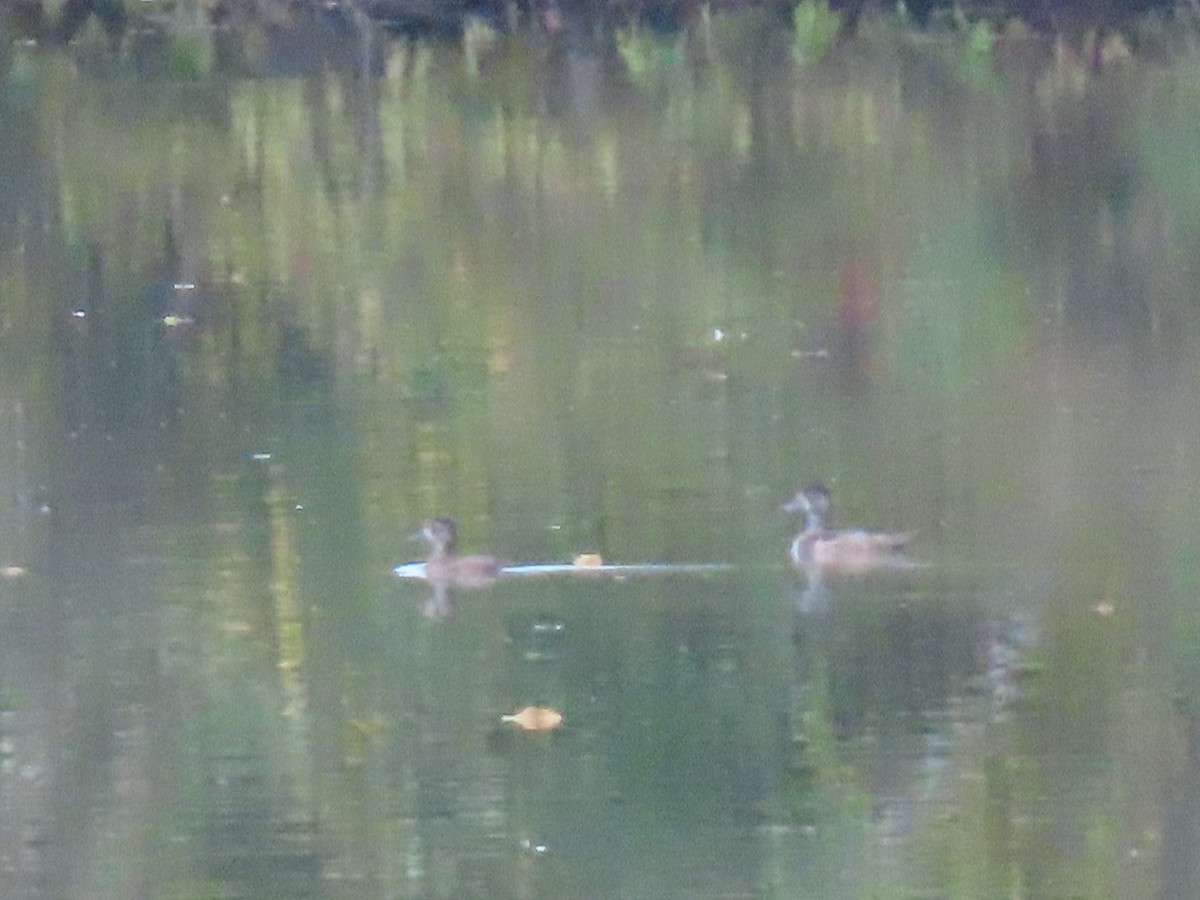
(444, 566)
(846, 551)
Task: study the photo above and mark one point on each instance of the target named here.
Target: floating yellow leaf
(587, 560)
(535, 718)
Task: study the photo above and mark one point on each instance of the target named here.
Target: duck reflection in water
(447, 571)
(819, 551)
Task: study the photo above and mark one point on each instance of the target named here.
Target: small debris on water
(535, 847)
(547, 626)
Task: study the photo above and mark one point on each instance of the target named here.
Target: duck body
(846, 551)
(444, 566)
(849, 551)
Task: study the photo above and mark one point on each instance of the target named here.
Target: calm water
(260, 316)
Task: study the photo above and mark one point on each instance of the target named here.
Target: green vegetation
(816, 26)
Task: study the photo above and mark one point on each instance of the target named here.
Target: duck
(846, 551)
(444, 566)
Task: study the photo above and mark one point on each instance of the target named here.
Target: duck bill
(795, 505)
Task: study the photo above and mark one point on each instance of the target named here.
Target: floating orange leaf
(535, 718)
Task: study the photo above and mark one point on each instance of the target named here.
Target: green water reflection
(256, 323)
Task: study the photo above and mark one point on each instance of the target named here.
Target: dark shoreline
(446, 19)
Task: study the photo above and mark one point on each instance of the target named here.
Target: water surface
(259, 319)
